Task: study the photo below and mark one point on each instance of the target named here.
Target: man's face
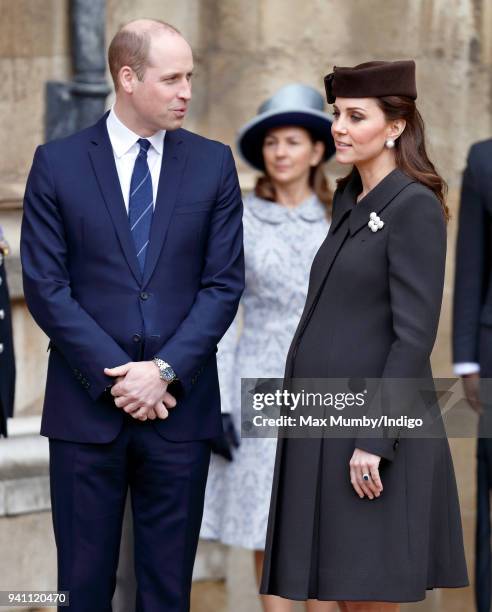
(161, 99)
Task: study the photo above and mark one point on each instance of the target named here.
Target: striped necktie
(141, 203)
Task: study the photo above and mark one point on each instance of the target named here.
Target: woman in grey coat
(285, 221)
(370, 522)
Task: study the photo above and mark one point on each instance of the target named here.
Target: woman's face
(360, 130)
(289, 154)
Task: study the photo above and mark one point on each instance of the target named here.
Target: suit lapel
(102, 158)
(173, 163)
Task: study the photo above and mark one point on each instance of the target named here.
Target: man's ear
(126, 78)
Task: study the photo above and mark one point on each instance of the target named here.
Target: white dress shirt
(126, 148)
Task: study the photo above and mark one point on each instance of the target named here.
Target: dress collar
(310, 210)
(122, 138)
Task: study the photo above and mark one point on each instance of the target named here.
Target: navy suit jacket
(84, 287)
(473, 286)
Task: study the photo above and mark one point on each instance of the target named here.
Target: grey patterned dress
(280, 245)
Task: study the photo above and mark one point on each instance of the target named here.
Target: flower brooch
(375, 222)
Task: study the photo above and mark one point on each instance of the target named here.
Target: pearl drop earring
(390, 143)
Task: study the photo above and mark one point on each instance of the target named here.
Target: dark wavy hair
(410, 152)
(318, 182)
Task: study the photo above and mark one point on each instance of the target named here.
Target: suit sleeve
(472, 253)
(417, 256)
(87, 348)
(222, 284)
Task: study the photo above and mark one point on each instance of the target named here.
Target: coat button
(2, 314)
(137, 338)
(1, 348)
(144, 295)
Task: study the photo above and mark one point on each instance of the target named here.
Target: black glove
(222, 445)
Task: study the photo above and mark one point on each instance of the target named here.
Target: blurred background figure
(472, 339)
(285, 221)
(7, 361)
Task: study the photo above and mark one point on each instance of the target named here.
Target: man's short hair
(130, 47)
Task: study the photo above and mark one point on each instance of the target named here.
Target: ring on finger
(366, 477)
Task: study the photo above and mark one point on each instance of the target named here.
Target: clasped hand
(140, 391)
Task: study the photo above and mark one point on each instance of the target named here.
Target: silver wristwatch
(166, 372)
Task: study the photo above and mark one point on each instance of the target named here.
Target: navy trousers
(89, 483)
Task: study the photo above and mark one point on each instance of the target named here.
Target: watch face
(168, 373)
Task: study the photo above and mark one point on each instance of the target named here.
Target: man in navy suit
(133, 266)
(472, 339)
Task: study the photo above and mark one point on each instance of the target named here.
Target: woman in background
(285, 221)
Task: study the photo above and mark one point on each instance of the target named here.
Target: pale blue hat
(294, 104)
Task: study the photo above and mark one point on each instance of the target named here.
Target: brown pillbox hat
(372, 80)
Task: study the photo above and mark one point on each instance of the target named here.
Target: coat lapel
(322, 263)
(342, 206)
(378, 198)
(173, 163)
(102, 158)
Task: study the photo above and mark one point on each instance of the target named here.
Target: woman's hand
(365, 463)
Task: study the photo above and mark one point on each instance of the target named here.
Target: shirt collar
(311, 210)
(122, 138)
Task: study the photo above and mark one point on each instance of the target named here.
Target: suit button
(1, 348)
(2, 314)
(144, 295)
(137, 338)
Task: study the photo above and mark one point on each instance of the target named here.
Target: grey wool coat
(372, 311)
